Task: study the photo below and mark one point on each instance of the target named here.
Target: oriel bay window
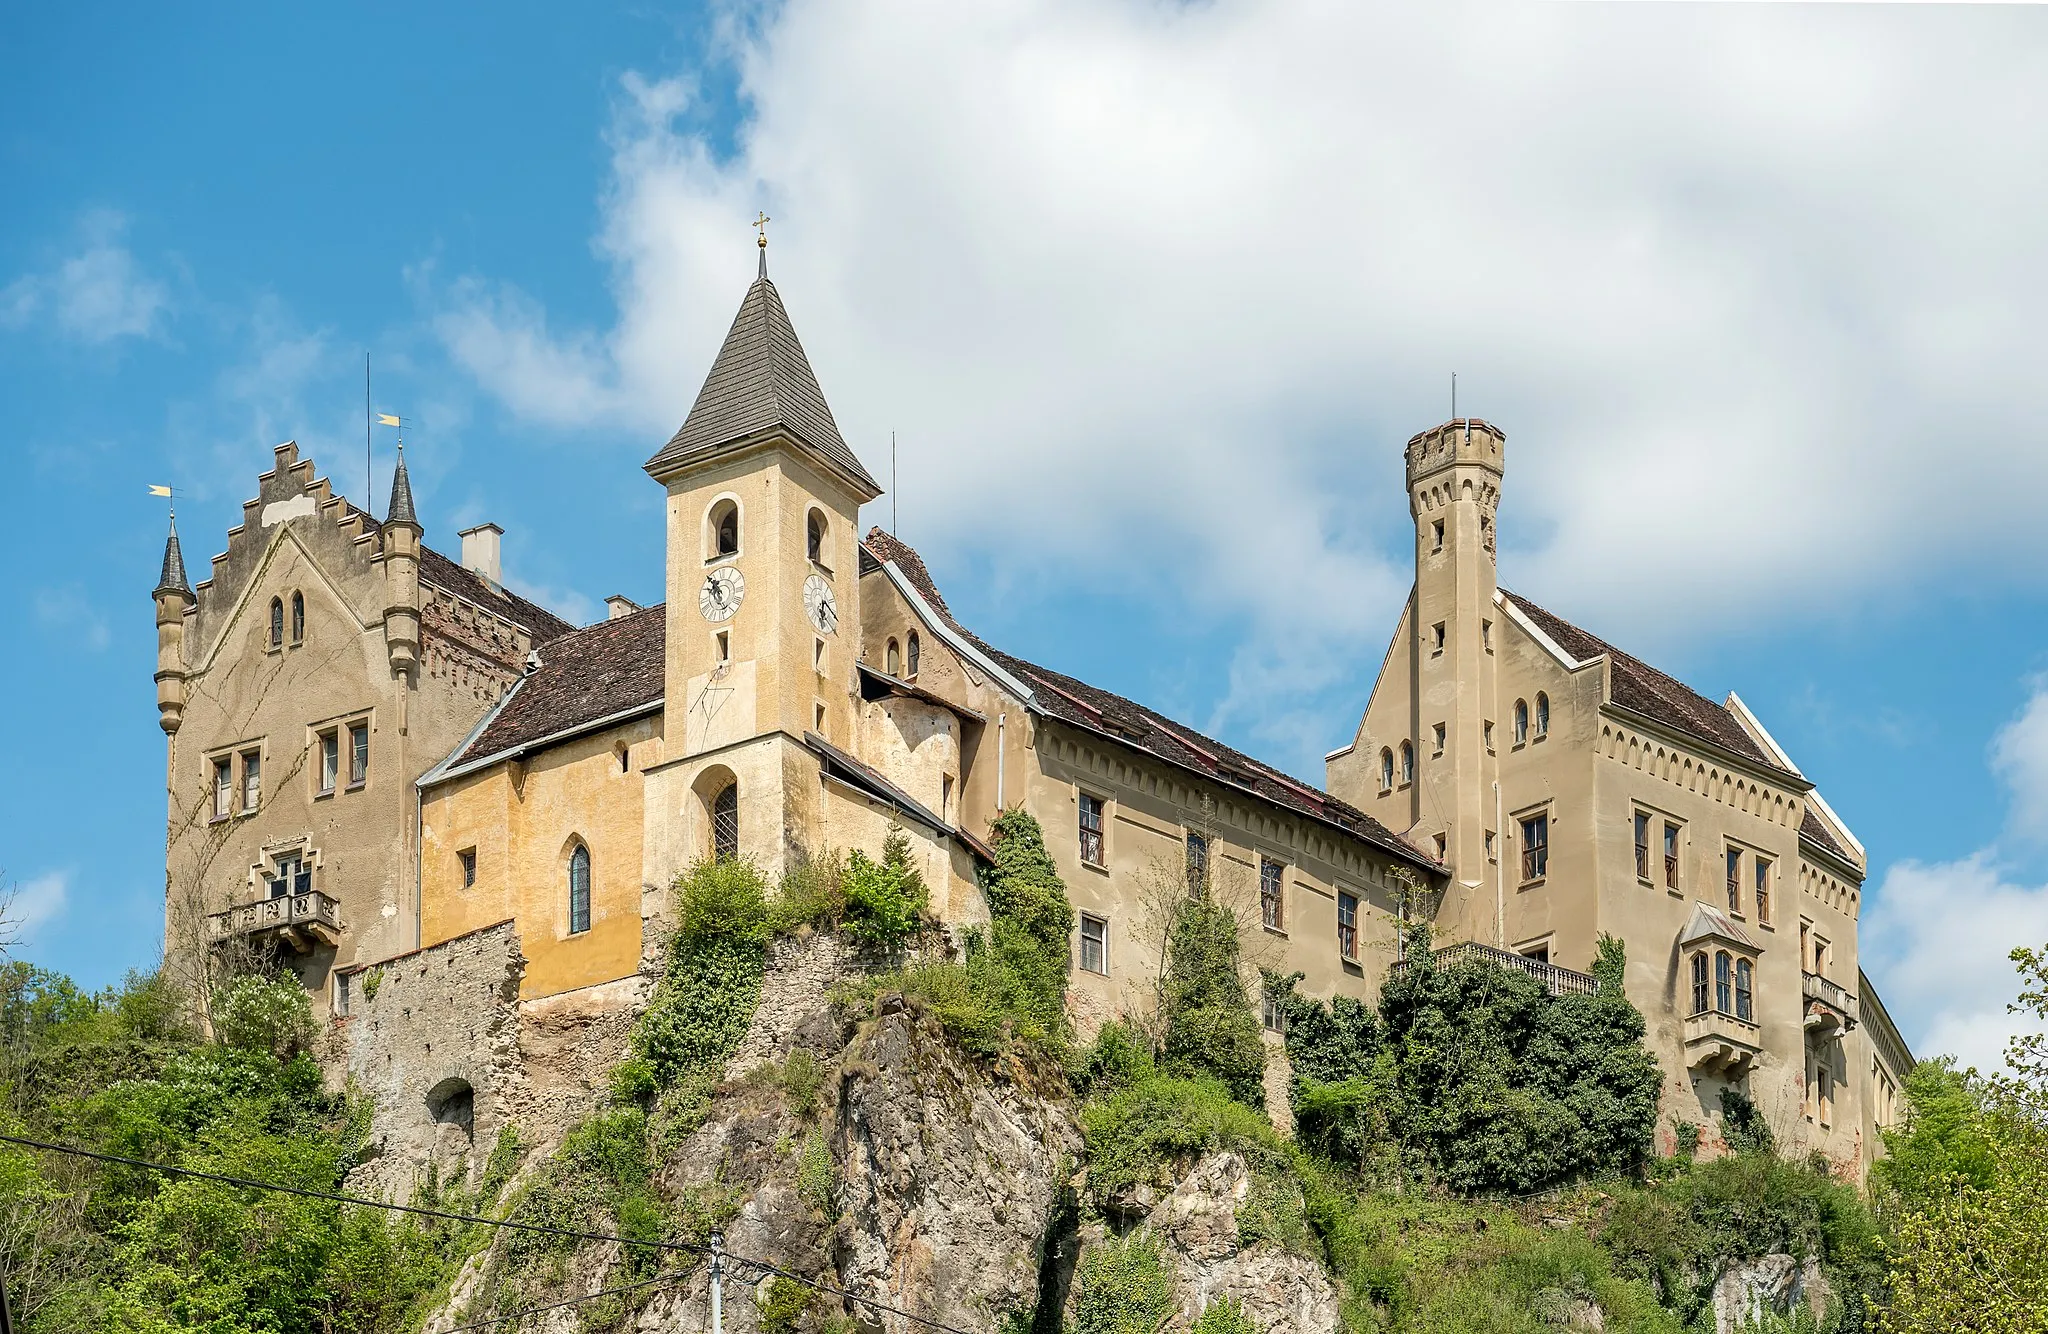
(1091, 830)
(1699, 984)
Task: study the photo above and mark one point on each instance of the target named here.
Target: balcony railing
(300, 920)
(1829, 1005)
(1717, 1041)
(1558, 981)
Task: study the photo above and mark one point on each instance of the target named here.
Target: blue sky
(1152, 296)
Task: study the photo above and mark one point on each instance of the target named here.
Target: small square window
(1094, 944)
(467, 860)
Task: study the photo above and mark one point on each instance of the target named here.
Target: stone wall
(440, 1043)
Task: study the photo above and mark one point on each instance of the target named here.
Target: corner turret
(174, 598)
(402, 533)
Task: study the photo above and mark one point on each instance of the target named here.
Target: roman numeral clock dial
(819, 606)
(723, 590)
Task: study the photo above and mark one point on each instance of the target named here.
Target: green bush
(782, 1303)
(1123, 1287)
(1211, 1028)
(266, 1014)
(812, 893)
(1223, 1317)
(1160, 1126)
(723, 899)
(884, 899)
(1118, 1058)
(815, 1180)
(700, 1010)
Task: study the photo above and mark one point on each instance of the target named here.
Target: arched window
(1542, 715)
(276, 623)
(579, 890)
(1386, 768)
(298, 617)
(1407, 762)
(1521, 721)
(1724, 983)
(724, 525)
(1742, 984)
(1699, 983)
(892, 659)
(816, 536)
(725, 822)
(910, 655)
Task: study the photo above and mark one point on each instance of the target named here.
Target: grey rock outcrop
(1774, 1284)
(1197, 1224)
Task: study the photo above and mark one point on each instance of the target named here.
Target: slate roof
(449, 576)
(173, 579)
(584, 675)
(1814, 830)
(1707, 922)
(1084, 706)
(759, 381)
(1641, 687)
(400, 510)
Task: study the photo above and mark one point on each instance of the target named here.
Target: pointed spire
(400, 510)
(173, 579)
(761, 381)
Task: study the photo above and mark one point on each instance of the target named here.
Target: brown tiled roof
(1641, 687)
(584, 675)
(1081, 705)
(1814, 830)
(759, 381)
(449, 576)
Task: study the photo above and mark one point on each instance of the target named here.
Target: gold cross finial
(762, 223)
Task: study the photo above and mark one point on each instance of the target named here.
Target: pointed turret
(761, 384)
(402, 579)
(174, 597)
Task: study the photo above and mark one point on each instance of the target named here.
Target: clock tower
(763, 587)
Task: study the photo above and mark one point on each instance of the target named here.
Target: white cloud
(70, 612)
(96, 295)
(1937, 935)
(1160, 290)
(33, 904)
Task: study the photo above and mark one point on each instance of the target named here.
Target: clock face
(721, 594)
(819, 606)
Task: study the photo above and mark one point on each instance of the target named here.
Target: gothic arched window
(277, 623)
(892, 659)
(1699, 983)
(725, 822)
(298, 617)
(579, 890)
(1386, 768)
(1742, 991)
(1542, 715)
(910, 655)
(1521, 721)
(1407, 762)
(816, 536)
(725, 528)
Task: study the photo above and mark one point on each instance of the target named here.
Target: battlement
(1462, 440)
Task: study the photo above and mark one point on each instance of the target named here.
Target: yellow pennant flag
(386, 419)
(160, 490)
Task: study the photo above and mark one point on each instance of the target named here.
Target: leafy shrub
(722, 899)
(1123, 1287)
(814, 1176)
(1223, 1317)
(1211, 1028)
(883, 899)
(801, 1077)
(1743, 1126)
(812, 893)
(1118, 1058)
(264, 1014)
(712, 982)
(1161, 1125)
(782, 1303)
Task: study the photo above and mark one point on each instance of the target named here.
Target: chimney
(617, 605)
(480, 551)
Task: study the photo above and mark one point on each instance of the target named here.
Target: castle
(456, 816)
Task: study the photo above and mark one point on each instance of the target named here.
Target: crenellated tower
(1454, 482)
(174, 598)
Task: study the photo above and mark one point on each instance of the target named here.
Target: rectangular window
(1347, 925)
(1826, 1086)
(252, 780)
(1735, 880)
(1763, 888)
(724, 641)
(1491, 854)
(1536, 847)
(1540, 953)
(818, 656)
(1436, 637)
(467, 859)
(1820, 955)
(1488, 730)
(1198, 864)
(1699, 984)
(1094, 945)
(1270, 1015)
(1438, 735)
(1670, 856)
(1091, 830)
(1486, 635)
(223, 788)
(330, 760)
(1272, 910)
(358, 754)
(1437, 535)
(945, 796)
(1642, 846)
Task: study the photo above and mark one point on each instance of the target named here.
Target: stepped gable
(584, 676)
(760, 381)
(1641, 687)
(1081, 705)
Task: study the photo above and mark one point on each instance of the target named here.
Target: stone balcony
(1558, 981)
(300, 921)
(1721, 1044)
(1830, 1007)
